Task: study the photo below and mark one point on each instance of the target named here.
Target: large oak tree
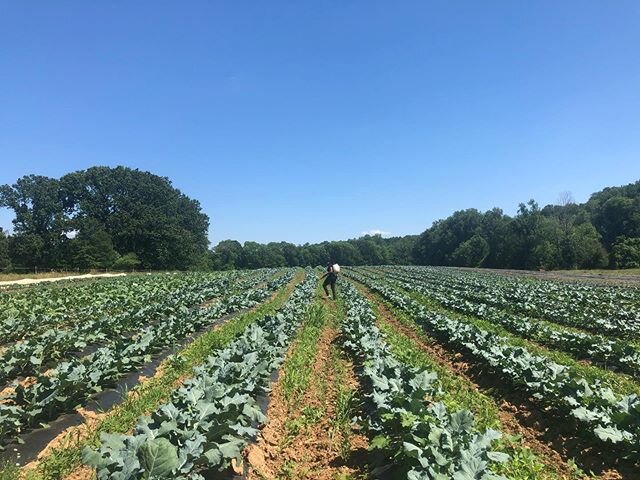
(68, 221)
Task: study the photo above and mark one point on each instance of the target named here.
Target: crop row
(71, 383)
(413, 438)
(610, 421)
(613, 311)
(26, 314)
(211, 418)
(42, 351)
(619, 353)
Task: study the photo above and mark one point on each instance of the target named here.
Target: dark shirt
(331, 275)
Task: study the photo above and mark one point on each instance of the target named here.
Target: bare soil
(81, 473)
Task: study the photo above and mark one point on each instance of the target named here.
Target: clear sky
(320, 120)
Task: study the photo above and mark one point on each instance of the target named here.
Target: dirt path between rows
(518, 416)
(316, 450)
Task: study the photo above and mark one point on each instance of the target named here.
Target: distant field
(628, 277)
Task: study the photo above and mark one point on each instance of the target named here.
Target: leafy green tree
(616, 218)
(39, 221)
(252, 255)
(496, 229)
(587, 247)
(471, 253)
(423, 246)
(91, 247)
(227, 255)
(558, 236)
(437, 245)
(143, 213)
(626, 252)
(615, 212)
(139, 212)
(547, 243)
(545, 255)
(274, 255)
(27, 250)
(401, 249)
(372, 249)
(526, 232)
(130, 261)
(291, 254)
(314, 255)
(344, 253)
(5, 259)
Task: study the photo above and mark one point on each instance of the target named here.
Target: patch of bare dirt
(316, 451)
(6, 391)
(11, 388)
(81, 473)
(552, 441)
(91, 419)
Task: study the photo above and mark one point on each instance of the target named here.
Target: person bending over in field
(331, 277)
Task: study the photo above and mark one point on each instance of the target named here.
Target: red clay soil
(315, 452)
(549, 439)
(81, 473)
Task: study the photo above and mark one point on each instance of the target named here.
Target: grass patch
(9, 471)
(297, 369)
(346, 406)
(347, 401)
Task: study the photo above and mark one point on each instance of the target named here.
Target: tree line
(124, 218)
(603, 232)
(366, 250)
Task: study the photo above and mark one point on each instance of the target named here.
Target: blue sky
(310, 121)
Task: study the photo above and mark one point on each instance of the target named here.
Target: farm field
(414, 372)
(629, 277)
